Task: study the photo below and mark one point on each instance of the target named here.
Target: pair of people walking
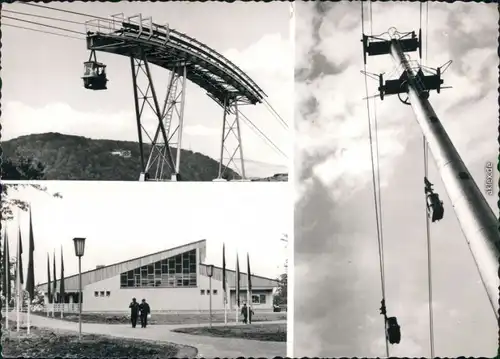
(245, 312)
(139, 310)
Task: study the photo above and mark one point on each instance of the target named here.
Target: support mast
(477, 220)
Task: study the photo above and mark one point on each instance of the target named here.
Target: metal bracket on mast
(378, 45)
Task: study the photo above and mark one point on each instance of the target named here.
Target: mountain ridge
(71, 157)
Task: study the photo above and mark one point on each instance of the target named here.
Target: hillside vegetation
(66, 157)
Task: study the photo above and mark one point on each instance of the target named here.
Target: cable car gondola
(94, 76)
(392, 330)
(435, 208)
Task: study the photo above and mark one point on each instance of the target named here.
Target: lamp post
(79, 250)
(210, 273)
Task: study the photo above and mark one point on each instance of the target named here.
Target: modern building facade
(172, 280)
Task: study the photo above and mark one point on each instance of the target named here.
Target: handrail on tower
(139, 23)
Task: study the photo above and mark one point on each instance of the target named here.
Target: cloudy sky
(43, 91)
(337, 281)
(126, 220)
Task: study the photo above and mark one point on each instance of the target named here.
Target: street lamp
(79, 250)
(210, 273)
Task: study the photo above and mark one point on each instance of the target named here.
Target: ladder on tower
(171, 101)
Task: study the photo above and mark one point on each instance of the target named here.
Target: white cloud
(269, 64)
(21, 119)
(340, 118)
(199, 130)
(332, 146)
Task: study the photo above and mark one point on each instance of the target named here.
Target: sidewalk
(208, 347)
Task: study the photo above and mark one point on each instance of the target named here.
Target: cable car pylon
(477, 220)
(147, 43)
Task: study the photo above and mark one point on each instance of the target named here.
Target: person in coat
(134, 312)
(245, 312)
(145, 310)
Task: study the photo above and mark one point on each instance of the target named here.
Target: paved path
(208, 347)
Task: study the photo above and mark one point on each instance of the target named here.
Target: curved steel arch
(145, 42)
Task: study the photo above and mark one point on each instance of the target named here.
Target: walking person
(244, 312)
(134, 312)
(145, 311)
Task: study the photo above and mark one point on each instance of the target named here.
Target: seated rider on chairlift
(435, 209)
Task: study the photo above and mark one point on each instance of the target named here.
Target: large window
(178, 271)
(258, 299)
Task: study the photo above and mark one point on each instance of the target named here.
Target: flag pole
(6, 289)
(225, 305)
(6, 315)
(224, 282)
(18, 292)
(7, 308)
(62, 284)
(248, 300)
(249, 289)
(29, 312)
(248, 292)
(237, 290)
(228, 300)
(54, 295)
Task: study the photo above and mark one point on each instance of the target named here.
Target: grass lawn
(264, 332)
(45, 343)
(166, 318)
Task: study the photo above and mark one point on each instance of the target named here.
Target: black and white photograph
(120, 269)
(111, 90)
(396, 229)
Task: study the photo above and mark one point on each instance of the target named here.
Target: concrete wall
(257, 306)
(162, 299)
(175, 299)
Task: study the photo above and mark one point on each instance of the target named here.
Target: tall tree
(7, 290)
(22, 168)
(9, 202)
(30, 281)
(281, 295)
(49, 294)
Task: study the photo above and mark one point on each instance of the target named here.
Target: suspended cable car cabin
(435, 209)
(94, 76)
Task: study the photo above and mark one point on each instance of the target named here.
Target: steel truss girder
(161, 164)
(231, 128)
